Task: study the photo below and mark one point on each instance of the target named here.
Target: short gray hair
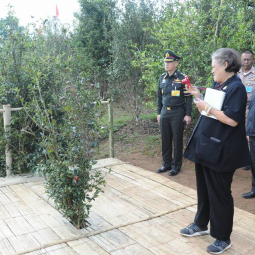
(229, 55)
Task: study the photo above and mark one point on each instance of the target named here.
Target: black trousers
(252, 152)
(171, 128)
(215, 202)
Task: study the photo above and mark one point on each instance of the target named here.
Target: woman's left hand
(201, 104)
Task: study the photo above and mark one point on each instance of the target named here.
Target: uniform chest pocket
(177, 86)
(208, 149)
(176, 89)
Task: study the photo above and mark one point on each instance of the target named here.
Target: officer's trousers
(171, 127)
(252, 151)
(215, 201)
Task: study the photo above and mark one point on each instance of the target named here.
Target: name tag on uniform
(176, 93)
(248, 89)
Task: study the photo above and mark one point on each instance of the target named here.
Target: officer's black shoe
(173, 172)
(163, 169)
(246, 168)
(250, 194)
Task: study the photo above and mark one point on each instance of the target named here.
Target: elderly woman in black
(218, 147)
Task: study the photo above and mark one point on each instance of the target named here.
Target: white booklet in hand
(215, 98)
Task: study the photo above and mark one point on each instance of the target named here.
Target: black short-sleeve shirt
(234, 152)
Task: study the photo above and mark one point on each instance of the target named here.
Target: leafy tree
(194, 30)
(130, 37)
(68, 145)
(13, 75)
(56, 132)
(96, 19)
(10, 22)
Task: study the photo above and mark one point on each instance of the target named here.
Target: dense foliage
(132, 36)
(94, 36)
(194, 30)
(56, 132)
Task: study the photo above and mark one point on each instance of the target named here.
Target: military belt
(169, 108)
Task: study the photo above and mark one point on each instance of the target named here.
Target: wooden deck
(140, 213)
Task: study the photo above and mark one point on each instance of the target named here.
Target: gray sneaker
(194, 230)
(219, 246)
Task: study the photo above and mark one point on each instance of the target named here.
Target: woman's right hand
(193, 91)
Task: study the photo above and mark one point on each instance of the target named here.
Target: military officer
(174, 110)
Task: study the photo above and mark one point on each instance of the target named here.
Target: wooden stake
(7, 121)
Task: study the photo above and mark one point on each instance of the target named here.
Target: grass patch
(119, 121)
(121, 137)
(131, 150)
(132, 138)
(149, 116)
(121, 118)
(152, 142)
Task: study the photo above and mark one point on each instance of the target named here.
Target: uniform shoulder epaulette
(178, 73)
(182, 74)
(164, 75)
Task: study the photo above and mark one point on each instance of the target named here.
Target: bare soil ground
(140, 146)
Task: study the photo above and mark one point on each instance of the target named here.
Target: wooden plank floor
(140, 213)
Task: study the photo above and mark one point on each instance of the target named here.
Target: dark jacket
(250, 129)
(219, 146)
(166, 85)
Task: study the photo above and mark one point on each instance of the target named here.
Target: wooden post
(110, 122)
(7, 120)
